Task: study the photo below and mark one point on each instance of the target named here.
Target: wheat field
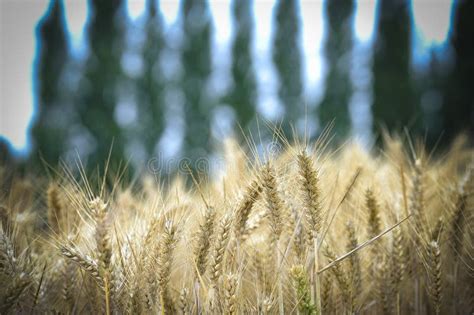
(312, 229)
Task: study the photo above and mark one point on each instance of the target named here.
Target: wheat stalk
(164, 264)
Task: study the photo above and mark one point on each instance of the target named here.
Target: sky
(18, 19)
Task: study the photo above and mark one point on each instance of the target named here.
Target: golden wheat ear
(231, 305)
(220, 247)
(165, 262)
(433, 254)
(86, 263)
(203, 241)
(286, 236)
(311, 196)
(340, 275)
(244, 208)
(273, 200)
(55, 208)
(5, 221)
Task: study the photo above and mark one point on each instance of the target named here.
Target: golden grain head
(150, 248)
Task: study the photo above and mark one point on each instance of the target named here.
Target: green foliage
(430, 86)
(458, 107)
(196, 62)
(302, 288)
(151, 85)
(338, 44)
(102, 77)
(53, 53)
(242, 95)
(287, 59)
(394, 104)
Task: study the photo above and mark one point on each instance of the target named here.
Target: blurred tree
(337, 47)
(394, 103)
(6, 157)
(151, 84)
(196, 62)
(287, 59)
(49, 138)
(11, 167)
(458, 107)
(431, 85)
(102, 76)
(242, 95)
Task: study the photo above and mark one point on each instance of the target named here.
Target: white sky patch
(222, 21)
(268, 104)
(135, 8)
(432, 18)
(263, 14)
(170, 10)
(221, 41)
(312, 34)
(76, 15)
(18, 21)
(365, 19)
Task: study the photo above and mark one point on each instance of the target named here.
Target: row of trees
(76, 100)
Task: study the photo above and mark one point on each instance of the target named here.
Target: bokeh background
(173, 78)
